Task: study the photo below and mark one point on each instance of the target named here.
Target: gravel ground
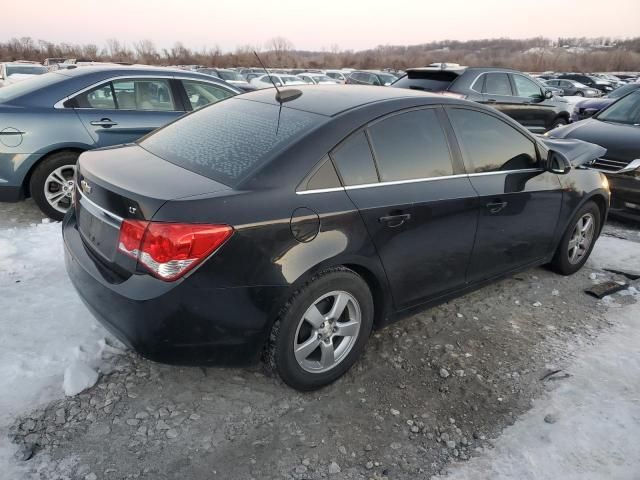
(433, 388)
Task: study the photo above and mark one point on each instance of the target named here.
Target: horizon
(334, 26)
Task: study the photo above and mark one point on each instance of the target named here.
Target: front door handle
(394, 221)
(495, 207)
(491, 100)
(104, 122)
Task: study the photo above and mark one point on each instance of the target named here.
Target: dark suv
(510, 91)
(589, 81)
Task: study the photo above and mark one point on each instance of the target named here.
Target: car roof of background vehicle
(83, 77)
(330, 100)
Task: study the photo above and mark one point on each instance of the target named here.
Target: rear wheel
(53, 182)
(322, 330)
(578, 241)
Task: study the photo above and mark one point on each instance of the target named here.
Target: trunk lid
(127, 182)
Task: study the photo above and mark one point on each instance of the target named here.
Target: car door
(399, 174)
(497, 93)
(519, 200)
(535, 112)
(125, 109)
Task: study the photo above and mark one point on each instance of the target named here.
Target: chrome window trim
(417, 180)
(59, 104)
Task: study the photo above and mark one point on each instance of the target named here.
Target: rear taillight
(170, 250)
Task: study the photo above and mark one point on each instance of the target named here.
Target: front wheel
(559, 122)
(322, 330)
(53, 182)
(579, 94)
(578, 240)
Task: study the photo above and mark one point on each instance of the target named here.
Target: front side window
(410, 145)
(201, 94)
(489, 144)
(526, 87)
(144, 94)
(497, 84)
(354, 161)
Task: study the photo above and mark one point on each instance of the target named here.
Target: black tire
(561, 263)
(279, 353)
(39, 177)
(579, 94)
(558, 122)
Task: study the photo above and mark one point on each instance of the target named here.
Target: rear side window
(228, 140)
(144, 94)
(489, 144)
(497, 84)
(324, 177)
(354, 160)
(436, 81)
(201, 94)
(100, 97)
(410, 145)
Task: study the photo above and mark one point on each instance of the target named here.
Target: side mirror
(548, 94)
(558, 163)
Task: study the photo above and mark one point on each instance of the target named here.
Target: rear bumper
(185, 322)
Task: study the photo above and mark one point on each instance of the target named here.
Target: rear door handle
(491, 100)
(495, 207)
(394, 221)
(104, 122)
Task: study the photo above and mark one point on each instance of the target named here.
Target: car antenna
(282, 95)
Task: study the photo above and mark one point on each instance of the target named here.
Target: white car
(265, 81)
(317, 79)
(17, 71)
(339, 75)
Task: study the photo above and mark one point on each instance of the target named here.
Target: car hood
(594, 103)
(577, 151)
(621, 141)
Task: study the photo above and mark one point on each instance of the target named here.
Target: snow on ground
(45, 327)
(593, 416)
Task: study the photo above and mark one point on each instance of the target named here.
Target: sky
(313, 24)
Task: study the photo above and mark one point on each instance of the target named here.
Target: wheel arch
(27, 178)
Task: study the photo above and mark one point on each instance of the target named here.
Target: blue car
(48, 121)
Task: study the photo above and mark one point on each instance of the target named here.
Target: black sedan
(616, 128)
(293, 223)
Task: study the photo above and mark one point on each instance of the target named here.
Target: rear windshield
(228, 140)
(436, 81)
(29, 85)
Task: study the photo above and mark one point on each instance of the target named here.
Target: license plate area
(99, 229)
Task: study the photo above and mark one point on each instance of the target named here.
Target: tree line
(534, 54)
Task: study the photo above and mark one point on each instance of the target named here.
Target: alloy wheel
(327, 332)
(59, 187)
(581, 238)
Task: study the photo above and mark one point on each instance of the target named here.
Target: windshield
(229, 139)
(626, 110)
(25, 70)
(322, 78)
(30, 85)
(578, 84)
(233, 76)
(622, 91)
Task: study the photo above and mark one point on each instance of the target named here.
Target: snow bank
(45, 327)
(616, 254)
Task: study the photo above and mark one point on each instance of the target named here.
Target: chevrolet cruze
(289, 225)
